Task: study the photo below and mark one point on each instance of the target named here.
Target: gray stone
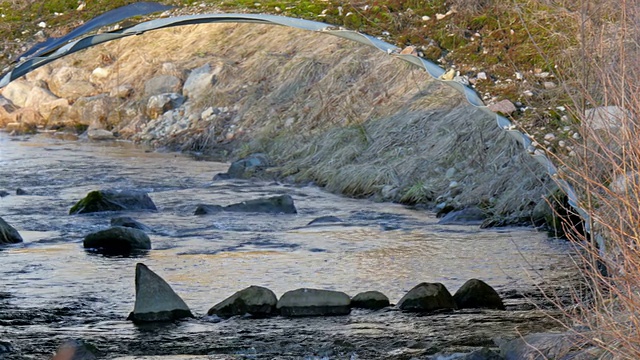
(121, 91)
(8, 234)
(117, 240)
(314, 302)
(126, 221)
(477, 294)
(255, 300)
(162, 84)
(248, 167)
(203, 209)
(468, 216)
(100, 134)
(427, 297)
(21, 191)
(604, 117)
(480, 354)
(155, 299)
(373, 300)
(200, 82)
(505, 107)
(71, 83)
(161, 103)
(93, 111)
(109, 200)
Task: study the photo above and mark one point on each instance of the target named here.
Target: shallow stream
(51, 289)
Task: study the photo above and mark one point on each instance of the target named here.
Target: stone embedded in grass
(255, 300)
(8, 234)
(314, 302)
(117, 240)
(477, 294)
(427, 297)
(109, 200)
(373, 300)
(155, 299)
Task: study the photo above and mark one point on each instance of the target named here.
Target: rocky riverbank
(322, 109)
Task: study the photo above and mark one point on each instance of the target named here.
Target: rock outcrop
(155, 299)
(117, 240)
(8, 234)
(427, 297)
(477, 294)
(255, 300)
(108, 200)
(314, 302)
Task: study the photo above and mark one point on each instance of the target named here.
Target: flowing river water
(51, 289)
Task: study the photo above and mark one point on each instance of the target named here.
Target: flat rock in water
(314, 302)
(107, 200)
(282, 204)
(373, 300)
(117, 240)
(257, 301)
(155, 299)
(477, 294)
(427, 297)
(8, 234)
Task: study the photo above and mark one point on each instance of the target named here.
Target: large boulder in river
(8, 234)
(108, 200)
(477, 294)
(427, 297)
(155, 299)
(255, 300)
(117, 240)
(282, 204)
(314, 302)
(373, 300)
(248, 167)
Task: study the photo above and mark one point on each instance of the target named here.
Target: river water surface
(51, 289)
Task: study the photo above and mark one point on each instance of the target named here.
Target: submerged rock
(117, 240)
(108, 200)
(427, 297)
(74, 350)
(373, 300)
(325, 220)
(255, 300)
(477, 294)
(21, 191)
(561, 346)
(468, 216)
(126, 221)
(282, 204)
(155, 299)
(8, 234)
(314, 302)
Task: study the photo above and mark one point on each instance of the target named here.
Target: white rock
(561, 143)
(440, 16)
(482, 75)
(42, 24)
(549, 137)
(527, 93)
(426, 18)
(549, 85)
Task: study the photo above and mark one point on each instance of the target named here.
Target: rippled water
(52, 288)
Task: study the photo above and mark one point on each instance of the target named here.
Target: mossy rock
(106, 200)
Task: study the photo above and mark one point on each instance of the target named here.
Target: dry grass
(606, 176)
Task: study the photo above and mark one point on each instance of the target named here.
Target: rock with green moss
(8, 234)
(109, 200)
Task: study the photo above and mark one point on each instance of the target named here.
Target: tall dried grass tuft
(606, 173)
